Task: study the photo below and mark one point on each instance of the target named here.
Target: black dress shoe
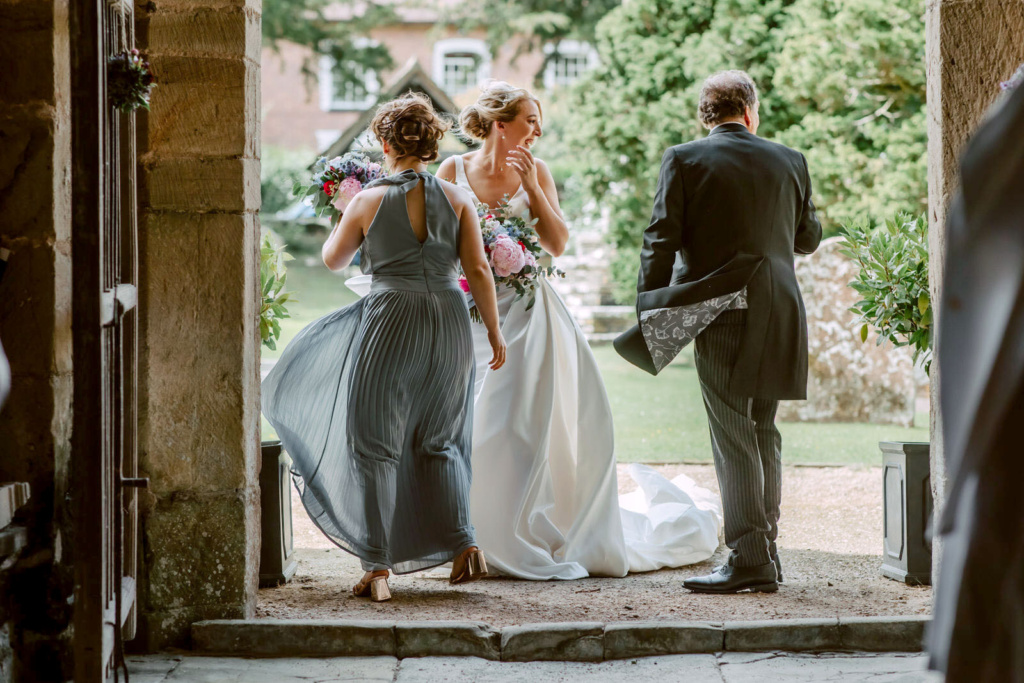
(729, 579)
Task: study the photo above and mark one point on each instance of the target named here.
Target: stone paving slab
(648, 639)
(765, 667)
(292, 637)
(739, 667)
(686, 668)
(447, 639)
(882, 634)
(792, 635)
(193, 669)
(582, 642)
(579, 642)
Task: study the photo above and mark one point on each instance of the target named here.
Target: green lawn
(657, 419)
(662, 419)
(318, 291)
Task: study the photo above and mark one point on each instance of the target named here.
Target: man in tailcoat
(717, 266)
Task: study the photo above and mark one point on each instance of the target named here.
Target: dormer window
(567, 63)
(353, 88)
(460, 64)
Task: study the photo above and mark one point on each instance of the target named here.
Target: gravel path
(829, 543)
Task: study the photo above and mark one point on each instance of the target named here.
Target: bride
(544, 497)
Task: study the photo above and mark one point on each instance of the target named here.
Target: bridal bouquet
(336, 182)
(512, 248)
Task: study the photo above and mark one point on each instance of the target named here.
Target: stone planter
(277, 556)
(907, 494)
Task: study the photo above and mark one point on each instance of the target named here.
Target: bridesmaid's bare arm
(347, 236)
(478, 274)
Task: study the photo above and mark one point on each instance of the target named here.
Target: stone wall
(35, 325)
(972, 45)
(199, 357)
(848, 380)
(587, 285)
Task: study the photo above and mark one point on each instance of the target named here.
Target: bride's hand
(521, 159)
(497, 348)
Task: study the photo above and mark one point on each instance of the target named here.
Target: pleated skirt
(374, 404)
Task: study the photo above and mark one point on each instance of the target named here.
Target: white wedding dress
(544, 498)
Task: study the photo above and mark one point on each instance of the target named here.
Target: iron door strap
(114, 303)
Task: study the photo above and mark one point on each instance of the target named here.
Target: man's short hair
(725, 95)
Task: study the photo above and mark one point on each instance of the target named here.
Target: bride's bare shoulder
(542, 166)
(446, 171)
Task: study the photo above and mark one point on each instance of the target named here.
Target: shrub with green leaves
(843, 81)
(272, 281)
(893, 281)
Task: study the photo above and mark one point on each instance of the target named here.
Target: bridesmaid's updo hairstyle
(410, 126)
(498, 101)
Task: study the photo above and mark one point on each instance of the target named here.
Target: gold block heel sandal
(376, 589)
(474, 568)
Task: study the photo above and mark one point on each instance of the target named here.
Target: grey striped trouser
(746, 445)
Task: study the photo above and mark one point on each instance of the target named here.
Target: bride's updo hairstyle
(410, 126)
(498, 101)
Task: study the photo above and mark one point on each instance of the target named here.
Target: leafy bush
(840, 80)
(893, 281)
(272, 281)
(302, 236)
(280, 169)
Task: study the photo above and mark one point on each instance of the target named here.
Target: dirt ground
(830, 546)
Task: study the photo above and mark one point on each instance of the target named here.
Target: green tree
(532, 24)
(853, 74)
(331, 28)
(642, 99)
(842, 81)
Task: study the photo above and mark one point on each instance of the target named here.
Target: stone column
(35, 312)
(199, 357)
(972, 45)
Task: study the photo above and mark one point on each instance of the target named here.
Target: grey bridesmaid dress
(374, 402)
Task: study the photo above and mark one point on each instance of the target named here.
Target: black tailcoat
(730, 211)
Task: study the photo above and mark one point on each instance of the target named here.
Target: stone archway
(199, 223)
(199, 226)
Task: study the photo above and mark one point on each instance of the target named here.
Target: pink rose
(464, 284)
(506, 256)
(346, 190)
(530, 259)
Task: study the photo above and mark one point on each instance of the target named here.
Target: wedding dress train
(544, 499)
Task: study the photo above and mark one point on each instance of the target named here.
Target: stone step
(586, 641)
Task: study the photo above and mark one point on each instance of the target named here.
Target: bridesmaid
(374, 402)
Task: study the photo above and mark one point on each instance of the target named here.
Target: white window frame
(331, 101)
(475, 46)
(567, 48)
